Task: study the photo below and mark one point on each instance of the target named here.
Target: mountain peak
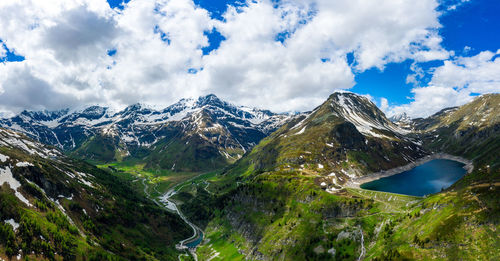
(44, 115)
(210, 96)
(210, 99)
(137, 107)
(343, 95)
(360, 111)
(400, 117)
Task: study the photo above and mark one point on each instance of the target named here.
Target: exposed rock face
(348, 136)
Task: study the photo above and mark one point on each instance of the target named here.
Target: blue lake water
(422, 180)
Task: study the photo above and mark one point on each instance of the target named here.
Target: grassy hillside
(284, 215)
(178, 151)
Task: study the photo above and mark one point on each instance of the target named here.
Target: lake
(422, 180)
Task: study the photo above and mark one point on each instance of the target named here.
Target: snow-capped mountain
(99, 133)
(400, 117)
(344, 138)
(357, 110)
(361, 112)
(402, 120)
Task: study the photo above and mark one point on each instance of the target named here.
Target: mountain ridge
(137, 127)
(345, 137)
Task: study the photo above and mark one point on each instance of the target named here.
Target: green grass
(391, 202)
(286, 206)
(217, 245)
(161, 180)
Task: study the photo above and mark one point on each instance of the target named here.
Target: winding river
(189, 243)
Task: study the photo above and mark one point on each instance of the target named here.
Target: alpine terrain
(287, 130)
(296, 195)
(225, 182)
(55, 207)
(190, 135)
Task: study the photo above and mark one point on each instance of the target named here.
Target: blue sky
(10, 56)
(475, 24)
(472, 24)
(283, 55)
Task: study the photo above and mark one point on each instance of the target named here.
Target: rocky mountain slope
(207, 128)
(402, 120)
(346, 137)
(53, 207)
(471, 130)
(286, 198)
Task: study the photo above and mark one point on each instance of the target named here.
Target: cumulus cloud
(455, 83)
(22, 90)
(428, 100)
(478, 74)
(384, 104)
(78, 35)
(285, 55)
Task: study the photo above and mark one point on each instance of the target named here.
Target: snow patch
(13, 223)
(3, 158)
(301, 131)
(23, 164)
(6, 176)
(348, 174)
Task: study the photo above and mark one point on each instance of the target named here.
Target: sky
(407, 56)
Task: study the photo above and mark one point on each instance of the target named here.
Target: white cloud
(252, 68)
(455, 83)
(79, 35)
(384, 104)
(22, 90)
(65, 44)
(428, 100)
(478, 74)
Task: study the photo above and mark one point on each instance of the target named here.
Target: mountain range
(217, 132)
(345, 137)
(260, 185)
